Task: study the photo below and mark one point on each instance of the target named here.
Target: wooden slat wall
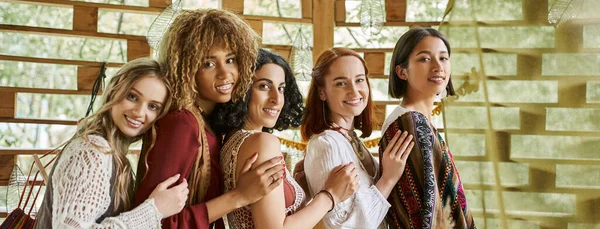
(325, 15)
(543, 173)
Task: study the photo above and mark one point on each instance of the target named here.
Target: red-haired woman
(339, 101)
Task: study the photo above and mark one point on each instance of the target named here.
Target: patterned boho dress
(242, 217)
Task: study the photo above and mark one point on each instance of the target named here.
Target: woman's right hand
(170, 201)
(254, 184)
(342, 182)
(394, 156)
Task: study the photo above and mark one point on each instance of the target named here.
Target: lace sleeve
(81, 195)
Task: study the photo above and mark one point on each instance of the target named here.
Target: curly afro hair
(230, 116)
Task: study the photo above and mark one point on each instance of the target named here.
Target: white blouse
(81, 190)
(367, 207)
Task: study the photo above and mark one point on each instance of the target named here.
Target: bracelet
(330, 197)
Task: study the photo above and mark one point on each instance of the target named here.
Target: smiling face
(267, 98)
(217, 75)
(140, 107)
(345, 89)
(428, 69)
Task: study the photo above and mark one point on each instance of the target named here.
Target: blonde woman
(91, 182)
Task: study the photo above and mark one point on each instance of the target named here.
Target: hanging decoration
(161, 23)
(301, 146)
(372, 16)
(301, 59)
(564, 10)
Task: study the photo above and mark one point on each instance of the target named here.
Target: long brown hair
(101, 123)
(317, 110)
(184, 46)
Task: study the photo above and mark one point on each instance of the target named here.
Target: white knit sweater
(81, 190)
(367, 207)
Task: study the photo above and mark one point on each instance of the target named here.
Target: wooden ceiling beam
(68, 33)
(38, 121)
(120, 8)
(23, 151)
(57, 61)
(44, 90)
(278, 19)
(393, 23)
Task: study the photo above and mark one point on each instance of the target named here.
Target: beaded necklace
(359, 149)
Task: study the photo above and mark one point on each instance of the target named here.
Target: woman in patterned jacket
(429, 194)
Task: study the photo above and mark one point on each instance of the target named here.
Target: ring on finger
(275, 179)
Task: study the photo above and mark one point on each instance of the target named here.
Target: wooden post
(323, 25)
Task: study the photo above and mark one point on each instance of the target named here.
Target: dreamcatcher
(161, 23)
(301, 58)
(372, 16)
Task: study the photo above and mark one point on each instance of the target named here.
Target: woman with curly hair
(339, 101)
(91, 182)
(208, 56)
(273, 102)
